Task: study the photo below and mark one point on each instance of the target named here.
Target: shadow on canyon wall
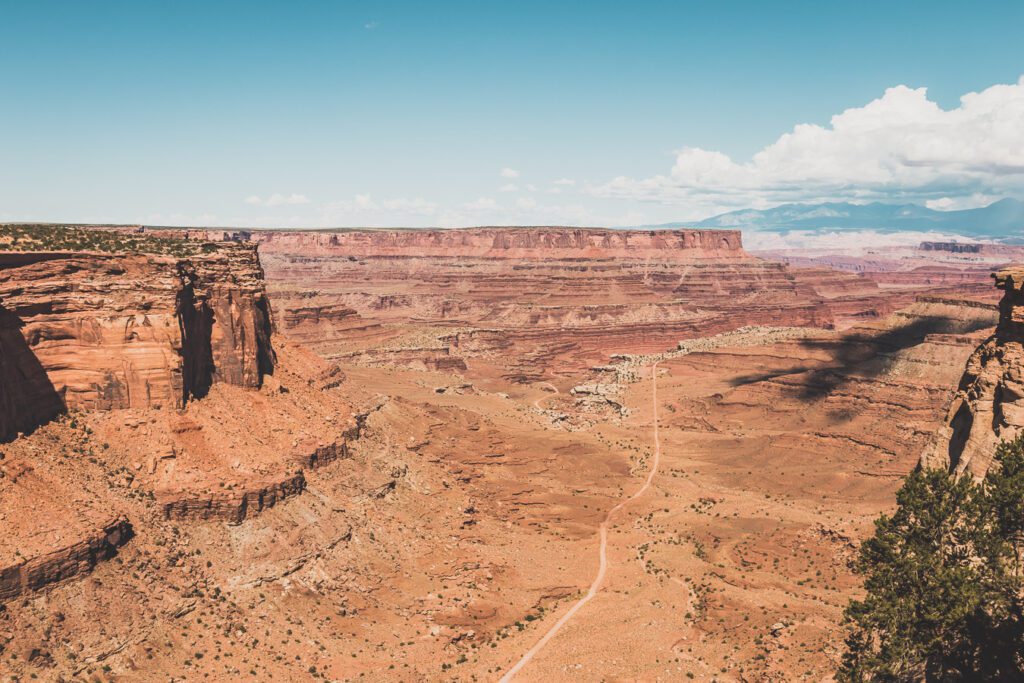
(859, 354)
(27, 396)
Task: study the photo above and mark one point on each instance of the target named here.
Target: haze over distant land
(845, 224)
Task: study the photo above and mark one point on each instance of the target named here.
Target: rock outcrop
(96, 331)
(989, 404)
(233, 507)
(64, 563)
(27, 396)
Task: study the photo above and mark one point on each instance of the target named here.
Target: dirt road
(602, 569)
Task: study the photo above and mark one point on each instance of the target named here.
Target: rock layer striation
(95, 331)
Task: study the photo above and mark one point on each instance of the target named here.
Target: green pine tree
(943, 581)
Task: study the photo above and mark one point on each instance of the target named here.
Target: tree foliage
(943, 581)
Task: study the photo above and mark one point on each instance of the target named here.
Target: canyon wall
(27, 396)
(989, 403)
(532, 242)
(64, 563)
(96, 331)
(525, 301)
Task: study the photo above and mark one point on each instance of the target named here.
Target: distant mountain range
(1004, 218)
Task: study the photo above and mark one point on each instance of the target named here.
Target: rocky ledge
(989, 403)
(65, 563)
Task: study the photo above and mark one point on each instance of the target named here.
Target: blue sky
(459, 113)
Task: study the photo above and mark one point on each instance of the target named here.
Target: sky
(324, 114)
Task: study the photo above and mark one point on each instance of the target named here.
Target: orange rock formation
(989, 405)
(103, 331)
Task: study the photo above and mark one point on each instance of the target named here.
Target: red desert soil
(471, 483)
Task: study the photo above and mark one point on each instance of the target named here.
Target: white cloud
(899, 147)
(509, 187)
(565, 181)
(526, 203)
(847, 242)
(974, 201)
(531, 187)
(370, 25)
(277, 199)
(509, 173)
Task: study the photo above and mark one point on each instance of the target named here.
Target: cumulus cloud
(509, 187)
(899, 147)
(565, 181)
(509, 173)
(526, 203)
(277, 199)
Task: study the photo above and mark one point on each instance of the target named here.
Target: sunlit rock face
(989, 404)
(89, 331)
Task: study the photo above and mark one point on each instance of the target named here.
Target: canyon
(390, 455)
(378, 299)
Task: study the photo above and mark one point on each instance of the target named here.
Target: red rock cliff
(104, 331)
(989, 404)
(536, 242)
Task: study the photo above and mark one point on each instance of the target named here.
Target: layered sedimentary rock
(231, 506)
(102, 331)
(533, 299)
(120, 339)
(511, 243)
(228, 290)
(467, 518)
(989, 404)
(64, 563)
(327, 323)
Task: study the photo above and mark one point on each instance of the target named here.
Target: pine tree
(943, 581)
(921, 585)
(1004, 488)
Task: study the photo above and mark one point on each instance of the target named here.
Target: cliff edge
(989, 403)
(511, 243)
(101, 331)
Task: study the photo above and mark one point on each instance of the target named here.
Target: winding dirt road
(537, 403)
(602, 569)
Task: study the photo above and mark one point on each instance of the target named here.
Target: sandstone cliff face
(533, 299)
(539, 242)
(27, 397)
(102, 331)
(989, 404)
(226, 294)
